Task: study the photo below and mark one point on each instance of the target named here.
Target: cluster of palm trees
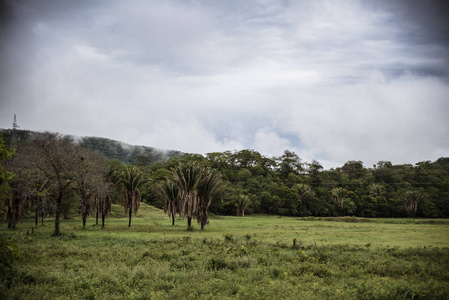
(189, 192)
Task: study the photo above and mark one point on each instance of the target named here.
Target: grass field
(234, 257)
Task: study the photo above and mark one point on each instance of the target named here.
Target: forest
(249, 183)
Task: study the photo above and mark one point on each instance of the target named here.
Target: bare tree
(54, 159)
(38, 201)
(89, 179)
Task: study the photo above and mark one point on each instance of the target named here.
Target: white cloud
(330, 80)
(268, 142)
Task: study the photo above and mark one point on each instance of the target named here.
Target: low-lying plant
(246, 264)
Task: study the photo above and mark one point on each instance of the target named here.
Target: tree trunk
(97, 218)
(84, 220)
(130, 215)
(102, 220)
(173, 220)
(9, 217)
(189, 222)
(57, 215)
(36, 218)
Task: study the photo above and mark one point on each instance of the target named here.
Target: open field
(234, 257)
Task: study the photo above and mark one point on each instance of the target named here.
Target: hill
(110, 148)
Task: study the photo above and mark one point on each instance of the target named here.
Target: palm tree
(303, 190)
(375, 190)
(187, 177)
(173, 201)
(210, 182)
(411, 199)
(243, 203)
(132, 180)
(339, 195)
(102, 203)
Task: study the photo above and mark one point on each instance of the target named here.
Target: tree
(376, 190)
(173, 201)
(304, 191)
(39, 201)
(102, 202)
(411, 200)
(89, 179)
(131, 179)
(191, 192)
(289, 162)
(354, 169)
(243, 202)
(314, 169)
(52, 158)
(5, 178)
(339, 195)
(188, 176)
(208, 185)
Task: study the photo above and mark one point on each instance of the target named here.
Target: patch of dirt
(348, 219)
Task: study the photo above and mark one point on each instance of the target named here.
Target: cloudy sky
(330, 80)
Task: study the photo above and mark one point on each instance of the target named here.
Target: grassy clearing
(234, 257)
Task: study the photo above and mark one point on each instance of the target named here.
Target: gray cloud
(331, 80)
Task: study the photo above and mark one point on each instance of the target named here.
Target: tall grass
(245, 258)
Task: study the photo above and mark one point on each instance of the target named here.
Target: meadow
(251, 257)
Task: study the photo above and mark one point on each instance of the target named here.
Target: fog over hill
(110, 148)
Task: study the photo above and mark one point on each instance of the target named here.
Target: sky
(332, 81)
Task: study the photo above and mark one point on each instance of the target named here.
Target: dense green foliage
(287, 186)
(243, 258)
(283, 185)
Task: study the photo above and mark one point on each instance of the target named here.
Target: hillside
(110, 148)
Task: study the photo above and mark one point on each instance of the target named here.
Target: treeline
(286, 185)
(50, 174)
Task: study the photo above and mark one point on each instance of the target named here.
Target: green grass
(234, 257)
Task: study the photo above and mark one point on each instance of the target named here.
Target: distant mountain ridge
(112, 149)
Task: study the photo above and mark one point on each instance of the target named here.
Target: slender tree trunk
(84, 220)
(189, 222)
(173, 220)
(42, 218)
(97, 218)
(130, 215)
(9, 217)
(36, 218)
(57, 215)
(102, 220)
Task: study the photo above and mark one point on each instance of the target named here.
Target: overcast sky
(330, 80)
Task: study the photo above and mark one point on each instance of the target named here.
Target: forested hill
(128, 153)
(110, 148)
